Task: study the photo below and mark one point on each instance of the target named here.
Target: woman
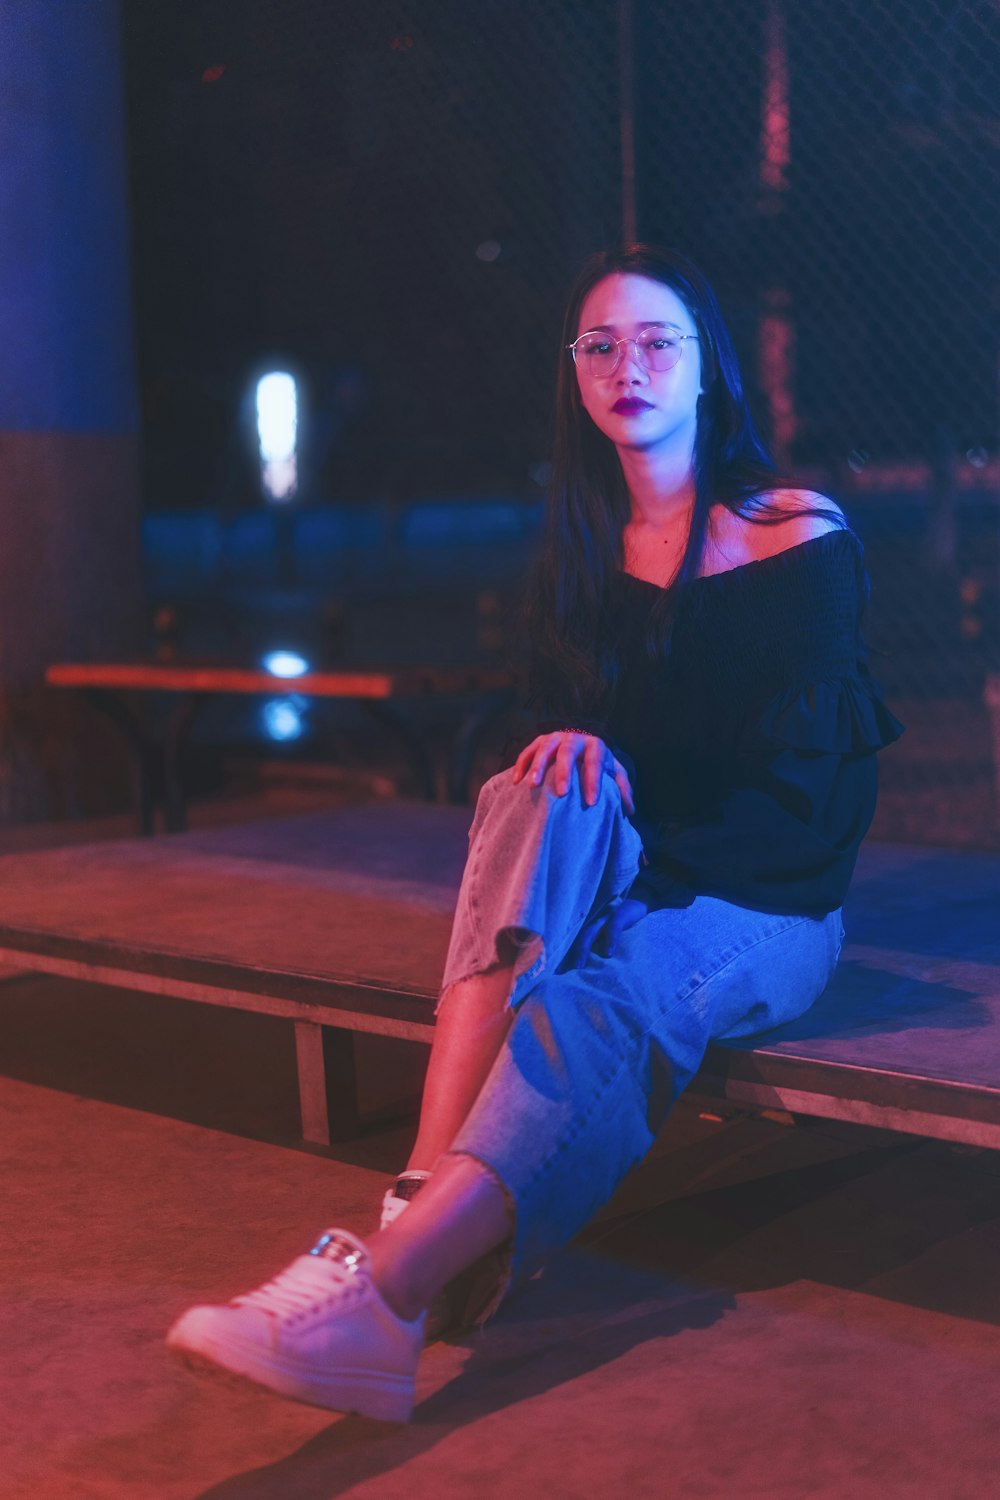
(695, 629)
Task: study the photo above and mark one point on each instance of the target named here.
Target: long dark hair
(573, 665)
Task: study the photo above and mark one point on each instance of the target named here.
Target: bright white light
(285, 664)
(277, 415)
(277, 431)
(282, 719)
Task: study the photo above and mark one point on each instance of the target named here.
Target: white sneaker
(406, 1186)
(319, 1332)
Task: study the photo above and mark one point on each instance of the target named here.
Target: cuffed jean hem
(495, 1268)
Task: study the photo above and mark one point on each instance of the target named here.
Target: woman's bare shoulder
(805, 514)
(810, 513)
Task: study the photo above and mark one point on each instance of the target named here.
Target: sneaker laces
(309, 1279)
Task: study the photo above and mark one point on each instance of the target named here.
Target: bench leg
(415, 744)
(178, 727)
(328, 1085)
(127, 718)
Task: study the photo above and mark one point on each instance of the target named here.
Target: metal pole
(70, 566)
(626, 87)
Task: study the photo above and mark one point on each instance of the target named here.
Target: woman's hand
(567, 747)
(602, 934)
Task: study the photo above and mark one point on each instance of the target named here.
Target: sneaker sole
(369, 1393)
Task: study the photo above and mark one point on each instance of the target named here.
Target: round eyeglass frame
(678, 338)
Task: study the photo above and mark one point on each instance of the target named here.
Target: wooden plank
(907, 1036)
(332, 1003)
(907, 1121)
(756, 1077)
(768, 1079)
(361, 897)
(301, 985)
(152, 677)
(370, 683)
(311, 1067)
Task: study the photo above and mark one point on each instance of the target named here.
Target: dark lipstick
(630, 406)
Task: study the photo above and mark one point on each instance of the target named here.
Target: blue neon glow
(285, 664)
(282, 719)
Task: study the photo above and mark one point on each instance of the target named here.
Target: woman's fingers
(624, 786)
(595, 757)
(570, 748)
(566, 748)
(523, 762)
(534, 758)
(548, 750)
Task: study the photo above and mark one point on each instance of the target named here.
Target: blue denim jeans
(598, 1051)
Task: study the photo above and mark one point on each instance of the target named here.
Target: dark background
(311, 183)
(391, 200)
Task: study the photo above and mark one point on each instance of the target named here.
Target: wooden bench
(340, 921)
(128, 692)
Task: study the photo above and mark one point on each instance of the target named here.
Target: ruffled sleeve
(786, 838)
(785, 841)
(845, 715)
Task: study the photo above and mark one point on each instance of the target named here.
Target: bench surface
(343, 918)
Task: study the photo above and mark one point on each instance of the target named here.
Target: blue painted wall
(66, 357)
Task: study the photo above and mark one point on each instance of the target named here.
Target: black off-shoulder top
(751, 748)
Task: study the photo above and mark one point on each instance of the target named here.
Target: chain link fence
(394, 196)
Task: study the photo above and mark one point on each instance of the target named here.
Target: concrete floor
(764, 1310)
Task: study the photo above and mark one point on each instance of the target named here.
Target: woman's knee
(544, 796)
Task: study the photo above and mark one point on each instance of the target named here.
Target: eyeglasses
(657, 348)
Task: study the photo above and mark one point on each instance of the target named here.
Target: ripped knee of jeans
(517, 950)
